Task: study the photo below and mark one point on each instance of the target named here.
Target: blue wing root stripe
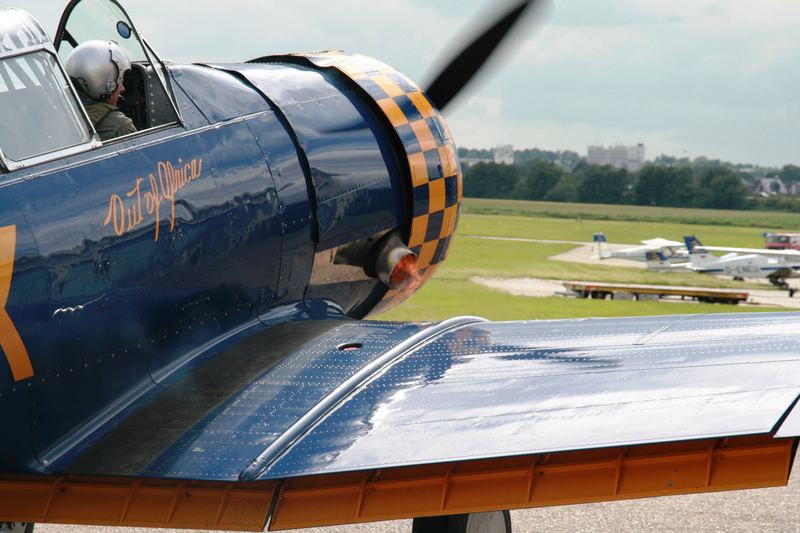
(307, 422)
(160, 421)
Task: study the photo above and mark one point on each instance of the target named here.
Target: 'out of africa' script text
(144, 202)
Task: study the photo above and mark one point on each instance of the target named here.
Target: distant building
(770, 187)
(467, 162)
(630, 158)
(504, 154)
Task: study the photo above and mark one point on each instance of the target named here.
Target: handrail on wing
(305, 423)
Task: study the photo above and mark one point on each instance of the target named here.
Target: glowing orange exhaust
(405, 272)
(395, 265)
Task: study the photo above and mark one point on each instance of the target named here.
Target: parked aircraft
(775, 265)
(180, 316)
(673, 252)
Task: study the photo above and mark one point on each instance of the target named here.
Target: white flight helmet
(97, 68)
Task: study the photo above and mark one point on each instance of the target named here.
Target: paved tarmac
(760, 510)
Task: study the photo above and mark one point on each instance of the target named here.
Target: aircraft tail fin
(600, 241)
(691, 242)
(699, 259)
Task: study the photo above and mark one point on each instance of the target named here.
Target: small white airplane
(673, 251)
(775, 265)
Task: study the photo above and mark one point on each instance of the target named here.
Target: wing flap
(533, 481)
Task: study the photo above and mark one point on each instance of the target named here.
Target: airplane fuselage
(639, 253)
(746, 266)
(126, 263)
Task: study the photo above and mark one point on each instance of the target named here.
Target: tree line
(696, 184)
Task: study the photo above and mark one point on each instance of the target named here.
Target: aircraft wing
(793, 254)
(340, 422)
(663, 243)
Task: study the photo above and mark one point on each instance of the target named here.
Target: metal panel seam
(364, 376)
(301, 153)
(645, 339)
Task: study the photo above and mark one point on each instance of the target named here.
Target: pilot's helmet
(97, 68)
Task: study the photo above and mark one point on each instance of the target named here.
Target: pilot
(97, 68)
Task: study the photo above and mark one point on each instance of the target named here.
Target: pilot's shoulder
(98, 111)
(112, 123)
(124, 125)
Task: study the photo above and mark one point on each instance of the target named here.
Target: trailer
(622, 291)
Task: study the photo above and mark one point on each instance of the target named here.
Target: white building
(770, 187)
(504, 154)
(467, 162)
(628, 157)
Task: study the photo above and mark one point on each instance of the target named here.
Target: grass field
(445, 298)
(761, 220)
(452, 293)
(616, 231)
(471, 256)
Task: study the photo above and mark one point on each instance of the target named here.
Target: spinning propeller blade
(458, 73)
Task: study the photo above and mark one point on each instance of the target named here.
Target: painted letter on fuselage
(10, 341)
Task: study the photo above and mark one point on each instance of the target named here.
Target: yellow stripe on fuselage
(10, 341)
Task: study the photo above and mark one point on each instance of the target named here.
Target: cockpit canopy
(40, 112)
(18, 31)
(43, 116)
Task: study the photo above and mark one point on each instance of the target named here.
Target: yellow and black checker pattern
(435, 170)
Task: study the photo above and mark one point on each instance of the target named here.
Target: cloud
(485, 107)
(715, 76)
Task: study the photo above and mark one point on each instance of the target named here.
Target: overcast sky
(719, 78)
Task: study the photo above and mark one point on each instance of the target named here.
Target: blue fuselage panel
(357, 183)
(129, 258)
(149, 254)
(134, 258)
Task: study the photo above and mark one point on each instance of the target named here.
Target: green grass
(472, 256)
(445, 298)
(616, 231)
(757, 220)
(452, 293)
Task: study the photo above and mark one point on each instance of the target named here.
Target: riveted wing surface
(504, 389)
(457, 392)
(337, 422)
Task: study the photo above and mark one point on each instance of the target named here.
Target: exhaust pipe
(389, 260)
(395, 264)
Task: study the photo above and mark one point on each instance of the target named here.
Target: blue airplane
(181, 316)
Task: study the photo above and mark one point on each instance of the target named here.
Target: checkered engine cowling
(434, 168)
